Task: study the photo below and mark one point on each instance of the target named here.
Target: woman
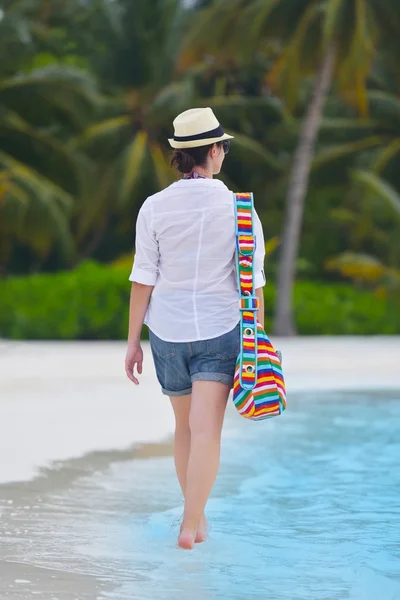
(185, 263)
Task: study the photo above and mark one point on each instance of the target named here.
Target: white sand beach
(64, 400)
(90, 505)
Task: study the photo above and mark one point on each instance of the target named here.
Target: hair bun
(183, 161)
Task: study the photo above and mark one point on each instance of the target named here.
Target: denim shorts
(178, 364)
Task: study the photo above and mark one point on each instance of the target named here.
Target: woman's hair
(185, 159)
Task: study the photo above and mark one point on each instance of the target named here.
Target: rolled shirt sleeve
(145, 266)
(259, 255)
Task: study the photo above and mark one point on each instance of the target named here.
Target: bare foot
(202, 530)
(186, 539)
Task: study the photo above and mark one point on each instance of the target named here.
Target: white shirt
(185, 248)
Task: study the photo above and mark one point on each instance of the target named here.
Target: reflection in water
(306, 507)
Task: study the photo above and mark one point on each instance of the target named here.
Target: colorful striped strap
(248, 302)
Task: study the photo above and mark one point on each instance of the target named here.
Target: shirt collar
(217, 183)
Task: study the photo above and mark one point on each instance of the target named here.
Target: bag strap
(248, 302)
(245, 243)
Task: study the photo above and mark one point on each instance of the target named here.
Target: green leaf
(173, 98)
(36, 208)
(107, 127)
(133, 164)
(385, 106)
(35, 180)
(67, 90)
(163, 171)
(257, 15)
(339, 151)
(231, 105)
(256, 149)
(332, 10)
(347, 124)
(387, 154)
(380, 188)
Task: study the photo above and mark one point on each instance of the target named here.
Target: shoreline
(65, 400)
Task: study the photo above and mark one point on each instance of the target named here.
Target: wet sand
(45, 520)
(21, 580)
(67, 413)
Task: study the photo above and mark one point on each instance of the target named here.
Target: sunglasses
(226, 144)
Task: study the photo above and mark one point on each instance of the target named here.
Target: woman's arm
(144, 276)
(140, 297)
(260, 313)
(259, 276)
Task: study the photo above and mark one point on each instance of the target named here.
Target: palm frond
(256, 151)
(237, 106)
(332, 11)
(356, 65)
(35, 208)
(65, 77)
(174, 16)
(343, 124)
(162, 169)
(379, 187)
(107, 127)
(134, 156)
(338, 151)
(210, 27)
(387, 155)
(70, 91)
(173, 98)
(63, 156)
(384, 106)
(94, 208)
(287, 71)
(35, 181)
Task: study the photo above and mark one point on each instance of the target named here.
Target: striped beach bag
(259, 387)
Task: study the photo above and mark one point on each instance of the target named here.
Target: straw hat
(197, 127)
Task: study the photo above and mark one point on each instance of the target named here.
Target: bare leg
(181, 406)
(206, 418)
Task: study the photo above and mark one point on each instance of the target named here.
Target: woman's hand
(134, 356)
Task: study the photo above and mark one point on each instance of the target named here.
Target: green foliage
(368, 271)
(92, 302)
(300, 33)
(338, 309)
(42, 178)
(88, 92)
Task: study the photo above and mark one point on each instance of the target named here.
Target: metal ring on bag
(249, 368)
(248, 331)
(247, 293)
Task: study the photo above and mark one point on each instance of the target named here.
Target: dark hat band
(218, 132)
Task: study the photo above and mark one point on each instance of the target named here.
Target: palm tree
(373, 151)
(369, 159)
(118, 154)
(334, 39)
(347, 39)
(142, 96)
(41, 177)
(147, 83)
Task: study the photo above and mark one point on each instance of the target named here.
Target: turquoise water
(306, 507)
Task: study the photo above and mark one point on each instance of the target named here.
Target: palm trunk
(299, 177)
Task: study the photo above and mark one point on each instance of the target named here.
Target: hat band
(218, 132)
